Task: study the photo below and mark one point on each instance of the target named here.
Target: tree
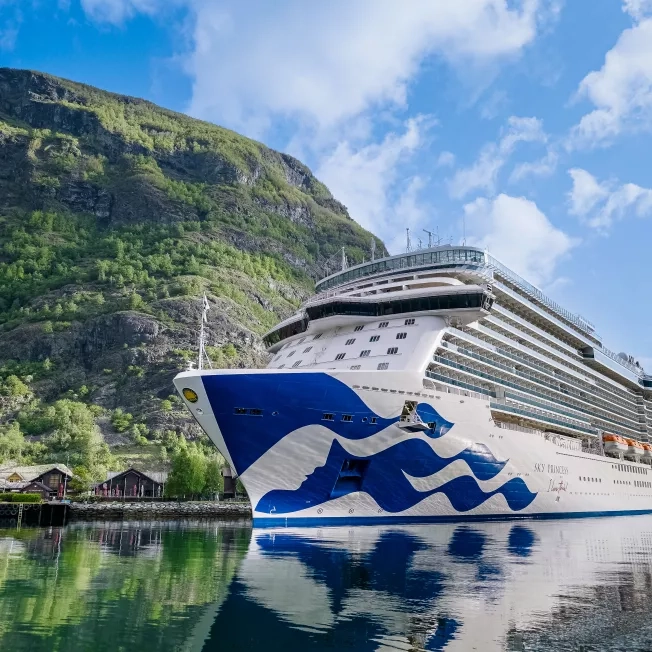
(14, 387)
(75, 436)
(82, 480)
(121, 420)
(188, 475)
(213, 481)
(12, 442)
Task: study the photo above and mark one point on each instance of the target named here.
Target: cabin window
(409, 322)
(382, 365)
(239, 410)
(383, 324)
(309, 348)
(281, 366)
(316, 337)
(373, 420)
(256, 412)
(340, 356)
(358, 328)
(401, 336)
(327, 416)
(393, 350)
(365, 353)
(347, 417)
(355, 366)
(349, 342)
(374, 338)
(291, 353)
(296, 364)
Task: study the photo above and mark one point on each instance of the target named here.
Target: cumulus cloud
(516, 232)
(326, 62)
(621, 90)
(483, 173)
(365, 179)
(543, 167)
(600, 204)
(586, 192)
(637, 9)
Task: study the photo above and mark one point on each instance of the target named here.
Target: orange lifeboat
(614, 443)
(634, 447)
(647, 451)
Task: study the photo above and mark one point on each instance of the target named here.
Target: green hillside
(115, 217)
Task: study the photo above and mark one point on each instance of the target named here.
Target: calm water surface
(567, 585)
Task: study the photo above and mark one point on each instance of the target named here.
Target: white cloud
(118, 11)
(621, 90)
(482, 174)
(586, 192)
(365, 179)
(544, 167)
(637, 9)
(446, 160)
(327, 62)
(601, 204)
(517, 233)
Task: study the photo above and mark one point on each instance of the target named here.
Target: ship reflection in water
(551, 585)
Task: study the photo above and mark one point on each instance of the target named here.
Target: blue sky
(524, 124)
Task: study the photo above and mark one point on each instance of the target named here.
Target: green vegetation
(120, 592)
(194, 474)
(20, 498)
(124, 216)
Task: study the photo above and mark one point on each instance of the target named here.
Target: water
(191, 586)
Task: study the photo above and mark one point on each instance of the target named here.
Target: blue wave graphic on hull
(384, 480)
(289, 402)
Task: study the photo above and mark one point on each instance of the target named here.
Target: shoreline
(119, 509)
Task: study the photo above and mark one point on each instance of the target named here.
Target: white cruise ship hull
(329, 447)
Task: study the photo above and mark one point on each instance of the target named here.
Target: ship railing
(505, 425)
(579, 321)
(532, 412)
(445, 389)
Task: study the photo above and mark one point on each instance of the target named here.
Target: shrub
(121, 420)
(20, 498)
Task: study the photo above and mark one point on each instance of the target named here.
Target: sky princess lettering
(553, 469)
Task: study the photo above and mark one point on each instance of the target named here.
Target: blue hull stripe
(314, 521)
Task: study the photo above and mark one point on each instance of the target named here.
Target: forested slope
(115, 217)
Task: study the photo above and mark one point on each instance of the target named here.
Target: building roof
(29, 473)
(36, 485)
(160, 477)
(5, 485)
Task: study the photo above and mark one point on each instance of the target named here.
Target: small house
(53, 476)
(133, 483)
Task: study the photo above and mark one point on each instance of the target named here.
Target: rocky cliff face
(116, 216)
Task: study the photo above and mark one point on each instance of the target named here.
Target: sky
(521, 126)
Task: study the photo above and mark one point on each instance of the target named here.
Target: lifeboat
(647, 452)
(634, 447)
(614, 443)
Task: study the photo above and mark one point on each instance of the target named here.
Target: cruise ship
(433, 385)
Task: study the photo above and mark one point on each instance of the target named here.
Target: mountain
(116, 215)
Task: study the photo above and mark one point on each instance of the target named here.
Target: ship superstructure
(433, 384)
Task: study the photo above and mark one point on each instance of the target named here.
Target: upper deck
(480, 262)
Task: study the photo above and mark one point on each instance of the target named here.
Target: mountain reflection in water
(552, 585)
